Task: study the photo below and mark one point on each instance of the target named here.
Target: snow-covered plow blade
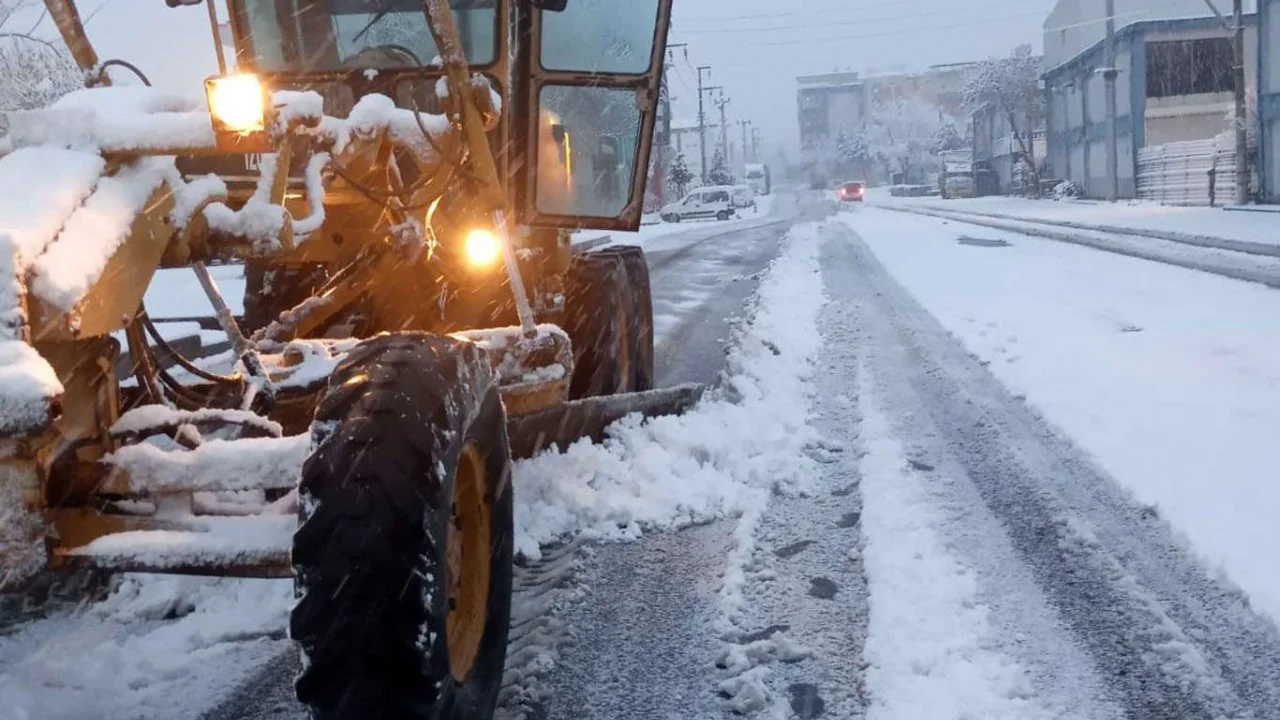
(568, 422)
(205, 510)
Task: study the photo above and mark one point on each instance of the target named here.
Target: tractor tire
(599, 313)
(641, 325)
(403, 560)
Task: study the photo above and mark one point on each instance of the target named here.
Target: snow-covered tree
(1011, 87)
(901, 136)
(851, 146)
(950, 137)
(679, 176)
(719, 173)
(33, 72)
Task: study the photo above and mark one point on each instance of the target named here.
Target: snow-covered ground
(861, 521)
(929, 652)
(158, 647)
(1167, 376)
(175, 292)
(714, 462)
(163, 647)
(1260, 227)
(661, 235)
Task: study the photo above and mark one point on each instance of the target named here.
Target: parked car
(743, 197)
(852, 191)
(957, 186)
(759, 178)
(706, 202)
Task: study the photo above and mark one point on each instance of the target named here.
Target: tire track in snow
(803, 624)
(1142, 629)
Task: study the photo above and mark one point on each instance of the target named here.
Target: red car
(852, 191)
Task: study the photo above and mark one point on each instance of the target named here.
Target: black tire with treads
(370, 555)
(598, 312)
(641, 326)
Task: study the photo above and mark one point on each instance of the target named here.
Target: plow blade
(561, 425)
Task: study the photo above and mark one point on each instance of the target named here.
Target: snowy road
(880, 515)
(1088, 605)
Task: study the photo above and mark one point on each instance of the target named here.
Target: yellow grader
(398, 179)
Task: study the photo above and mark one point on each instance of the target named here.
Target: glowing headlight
(238, 103)
(483, 248)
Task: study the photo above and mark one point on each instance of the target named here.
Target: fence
(1178, 173)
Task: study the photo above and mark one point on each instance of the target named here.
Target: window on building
(1189, 67)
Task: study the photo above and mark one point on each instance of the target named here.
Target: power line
(859, 21)
(934, 28)
(884, 33)
(799, 13)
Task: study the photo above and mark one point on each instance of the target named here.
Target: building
(828, 104)
(1268, 101)
(839, 104)
(997, 153)
(1158, 101)
(941, 86)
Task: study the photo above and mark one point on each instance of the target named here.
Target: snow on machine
(398, 178)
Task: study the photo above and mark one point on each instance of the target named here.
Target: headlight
(238, 103)
(483, 248)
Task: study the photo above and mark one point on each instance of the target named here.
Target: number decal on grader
(398, 178)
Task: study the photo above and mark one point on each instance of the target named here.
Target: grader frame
(381, 199)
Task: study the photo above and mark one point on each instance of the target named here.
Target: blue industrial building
(1269, 100)
(1173, 84)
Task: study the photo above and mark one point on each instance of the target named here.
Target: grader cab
(398, 179)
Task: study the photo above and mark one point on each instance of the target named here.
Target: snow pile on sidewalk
(720, 460)
(1258, 227)
(158, 647)
(927, 649)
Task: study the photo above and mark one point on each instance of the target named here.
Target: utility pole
(1236, 28)
(746, 154)
(1109, 75)
(664, 145)
(702, 124)
(724, 127)
(1242, 119)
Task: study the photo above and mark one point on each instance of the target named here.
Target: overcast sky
(756, 47)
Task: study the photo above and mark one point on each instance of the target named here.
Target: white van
(758, 177)
(706, 202)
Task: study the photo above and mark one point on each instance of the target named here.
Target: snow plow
(398, 179)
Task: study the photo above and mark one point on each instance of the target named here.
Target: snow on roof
(841, 79)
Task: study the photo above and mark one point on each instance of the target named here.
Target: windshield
(318, 36)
